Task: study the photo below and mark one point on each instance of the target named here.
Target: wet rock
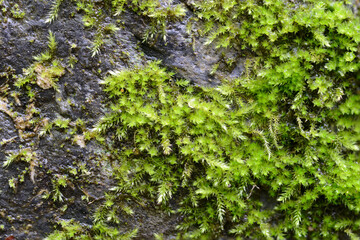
(187, 54)
(7, 129)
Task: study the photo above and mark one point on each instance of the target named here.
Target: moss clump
(218, 150)
(46, 71)
(288, 129)
(73, 230)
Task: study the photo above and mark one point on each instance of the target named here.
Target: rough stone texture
(23, 212)
(187, 54)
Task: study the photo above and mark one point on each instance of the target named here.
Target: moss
(288, 128)
(8, 7)
(45, 71)
(16, 12)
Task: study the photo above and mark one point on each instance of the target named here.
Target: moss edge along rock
(270, 153)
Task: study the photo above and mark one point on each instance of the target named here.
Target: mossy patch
(286, 131)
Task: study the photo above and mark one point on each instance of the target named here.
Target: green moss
(217, 146)
(288, 129)
(45, 71)
(16, 12)
(279, 129)
(73, 230)
(53, 14)
(13, 8)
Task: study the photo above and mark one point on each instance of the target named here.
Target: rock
(187, 54)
